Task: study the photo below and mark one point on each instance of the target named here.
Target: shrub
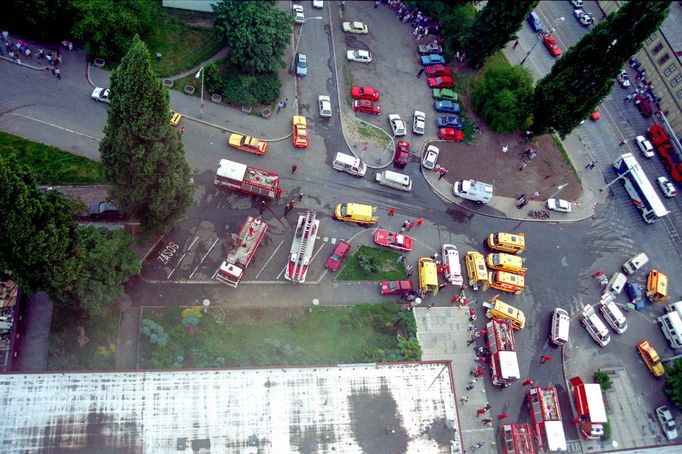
(503, 98)
(603, 379)
(241, 88)
(410, 349)
(213, 80)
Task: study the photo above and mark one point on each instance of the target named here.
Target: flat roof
(401, 407)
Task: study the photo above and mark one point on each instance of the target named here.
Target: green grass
(98, 354)
(288, 336)
(386, 262)
(561, 148)
(373, 133)
(50, 164)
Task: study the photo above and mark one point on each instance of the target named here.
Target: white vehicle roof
(595, 403)
(231, 170)
(453, 270)
(556, 440)
(509, 365)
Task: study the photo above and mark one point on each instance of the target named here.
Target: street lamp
(201, 71)
(298, 38)
(558, 190)
(558, 19)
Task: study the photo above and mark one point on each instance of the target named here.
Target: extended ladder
(307, 229)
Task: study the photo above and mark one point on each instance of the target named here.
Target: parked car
(365, 93)
(535, 22)
(577, 3)
(402, 154)
(666, 186)
(360, 56)
(667, 422)
(645, 147)
(623, 78)
(393, 240)
(335, 259)
(175, 118)
(299, 16)
(324, 103)
(584, 18)
(450, 134)
(551, 45)
(560, 205)
(397, 125)
(430, 157)
(447, 106)
(394, 287)
(318, 4)
(301, 64)
(419, 122)
(432, 59)
(300, 131)
(441, 82)
(643, 106)
(651, 358)
(356, 27)
(450, 121)
(367, 106)
(445, 93)
(100, 210)
(100, 94)
(635, 294)
(438, 70)
(429, 48)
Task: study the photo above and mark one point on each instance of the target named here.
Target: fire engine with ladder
(247, 241)
(504, 364)
(250, 180)
(589, 402)
(517, 439)
(546, 418)
(302, 247)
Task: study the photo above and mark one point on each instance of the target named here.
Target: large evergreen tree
(142, 153)
(584, 75)
(495, 26)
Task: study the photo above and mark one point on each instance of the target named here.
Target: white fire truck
(247, 179)
(589, 402)
(546, 418)
(247, 240)
(504, 365)
(302, 247)
(517, 439)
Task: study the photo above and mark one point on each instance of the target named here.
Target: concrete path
(222, 53)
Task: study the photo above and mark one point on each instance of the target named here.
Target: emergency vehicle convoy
(248, 239)
(247, 179)
(504, 365)
(545, 416)
(302, 247)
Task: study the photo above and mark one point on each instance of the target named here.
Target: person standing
(545, 358)
(158, 56)
(419, 74)
(391, 212)
(58, 73)
(516, 43)
(293, 168)
(262, 206)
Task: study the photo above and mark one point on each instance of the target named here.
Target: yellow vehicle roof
(360, 210)
(656, 366)
(508, 260)
(658, 282)
(508, 309)
(299, 120)
(510, 278)
(513, 238)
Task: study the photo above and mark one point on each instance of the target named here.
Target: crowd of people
(423, 25)
(643, 87)
(16, 50)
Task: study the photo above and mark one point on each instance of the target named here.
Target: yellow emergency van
(657, 287)
(500, 310)
(428, 275)
(507, 242)
(356, 212)
(476, 270)
(506, 262)
(507, 282)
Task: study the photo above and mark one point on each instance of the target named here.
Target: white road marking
(55, 126)
(194, 241)
(203, 258)
(268, 261)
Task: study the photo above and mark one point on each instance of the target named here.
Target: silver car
(301, 64)
(430, 157)
(667, 422)
(325, 106)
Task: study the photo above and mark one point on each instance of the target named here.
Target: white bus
(639, 187)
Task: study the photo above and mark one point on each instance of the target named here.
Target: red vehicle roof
(365, 93)
(393, 240)
(393, 287)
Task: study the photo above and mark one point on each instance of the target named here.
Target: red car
(643, 106)
(340, 251)
(364, 105)
(393, 240)
(402, 154)
(450, 134)
(551, 45)
(365, 93)
(441, 82)
(438, 70)
(394, 287)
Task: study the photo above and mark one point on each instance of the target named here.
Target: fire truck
(247, 241)
(517, 439)
(589, 402)
(504, 365)
(247, 179)
(546, 419)
(302, 247)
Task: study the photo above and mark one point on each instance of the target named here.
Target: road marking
(194, 241)
(55, 126)
(268, 261)
(183, 256)
(283, 270)
(203, 258)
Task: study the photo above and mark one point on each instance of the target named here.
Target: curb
(2, 57)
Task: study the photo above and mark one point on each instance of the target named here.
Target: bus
(639, 188)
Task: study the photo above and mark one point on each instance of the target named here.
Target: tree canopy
(673, 383)
(46, 20)
(142, 153)
(503, 97)
(257, 33)
(454, 20)
(581, 79)
(493, 27)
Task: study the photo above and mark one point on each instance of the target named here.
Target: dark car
(402, 154)
(100, 210)
(535, 22)
(635, 294)
(643, 106)
(334, 261)
(450, 121)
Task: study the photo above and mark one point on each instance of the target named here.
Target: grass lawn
(386, 265)
(98, 354)
(286, 336)
(50, 164)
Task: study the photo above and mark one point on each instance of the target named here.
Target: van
(595, 327)
(535, 22)
(507, 242)
(473, 190)
(452, 269)
(394, 180)
(428, 275)
(560, 326)
(635, 263)
(675, 307)
(671, 325)
(507, 282)
(506, 262)
(500, 310)
(349, 164)
(616, 284)
(657, 287)
(476, 270)
(612, 314)
(356, 212)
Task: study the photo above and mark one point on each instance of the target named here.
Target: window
(667, 72)
(664, 59)
(676, 80)
(649, 41)
(679, 94)
(657, 48)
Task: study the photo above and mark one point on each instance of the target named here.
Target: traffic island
(368, 142)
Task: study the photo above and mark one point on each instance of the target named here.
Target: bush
(410, 349)
(213, 80)
(503, 98)
(241, 88)
(603, 379)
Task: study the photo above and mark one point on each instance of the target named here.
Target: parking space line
(182, 257)
(194, 241)
(204, 257)
(270, 258)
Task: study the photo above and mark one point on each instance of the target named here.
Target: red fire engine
(671, 158)
(250, 235)
(591, 409)
(247, 179)
(302, 247)
(517, 439)
(546, 417)
(504, 365)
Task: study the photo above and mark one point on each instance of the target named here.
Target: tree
(503, 97)
(454, 20)
(495, 26)
(673, 383)
(108, 26)
(45, 20)
(581, 79)
(142, 153)
(40, 242)
(257, 33)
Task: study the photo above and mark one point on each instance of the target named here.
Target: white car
(100, 94)
(667, 422)
(362, 56)
(419, 122)
(583, 17)
(666, 186)
(645, 147)
(430, 157)
(577, 3)
(299, 16)
(325, 105)
(318, 4)
(623, 78)
(560, 205)
(397, 125)
(355, 27)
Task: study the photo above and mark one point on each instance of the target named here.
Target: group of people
(644, 88)
(423, 25)
(17, 50)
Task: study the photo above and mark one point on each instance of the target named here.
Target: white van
(616, 284)
(349, 164)
(595, 327)
(635, 263)
(452, 268)
(675, 307)
(560, 325)
(394, 180)
(671, 325)
(473, 190)
(613, 315)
